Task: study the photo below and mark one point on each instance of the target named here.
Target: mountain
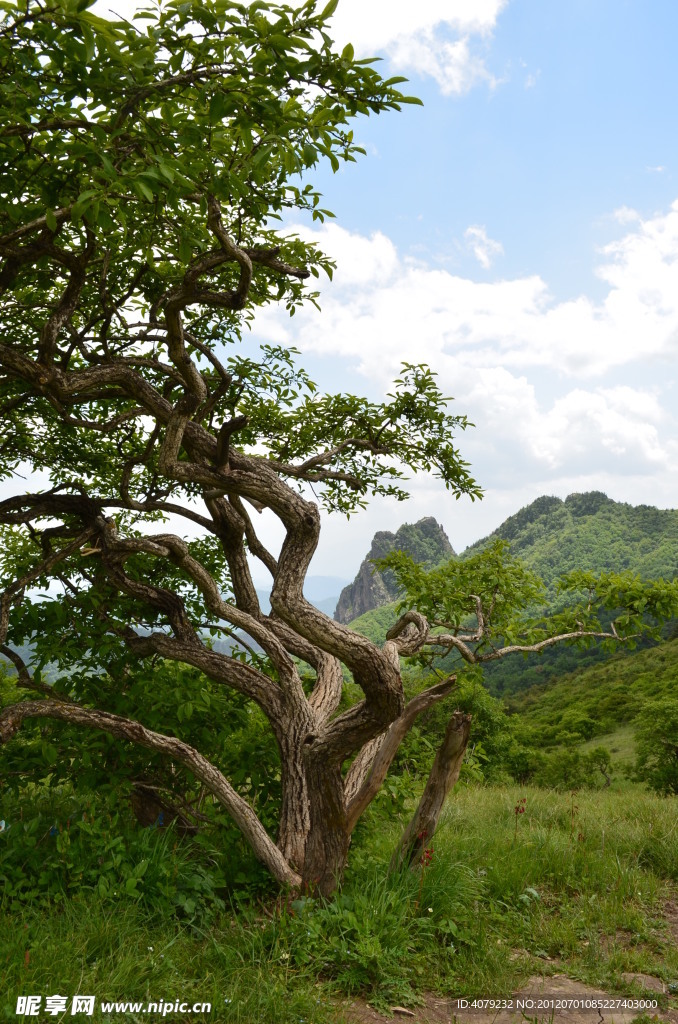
(590, 531)
(553, 536)
(425, 541)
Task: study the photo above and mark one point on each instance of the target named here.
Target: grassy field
(577, 885)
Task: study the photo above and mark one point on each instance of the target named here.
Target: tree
(656, 736)
(600, 759)
(482, 608)
(143, 171)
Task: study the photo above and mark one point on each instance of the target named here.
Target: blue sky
(517, 233)
(580, 116)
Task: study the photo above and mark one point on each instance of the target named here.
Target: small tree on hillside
(656, 736)
(143, 169)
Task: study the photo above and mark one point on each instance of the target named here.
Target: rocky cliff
(425, 541)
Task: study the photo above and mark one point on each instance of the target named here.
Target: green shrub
(523, 763)
(656, 737)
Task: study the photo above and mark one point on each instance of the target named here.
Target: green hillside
(376, 624)
(605, 698)
(552, 536)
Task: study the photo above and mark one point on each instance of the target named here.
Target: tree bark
(444, 773)
(367, 773)
(295, 821)
(329, 837)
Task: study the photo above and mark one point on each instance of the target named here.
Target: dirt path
(528, 1005)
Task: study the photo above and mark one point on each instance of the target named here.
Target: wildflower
(518, 810)
(430, 910)
(426, 857)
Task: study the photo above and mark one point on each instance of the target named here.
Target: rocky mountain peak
(425, 541)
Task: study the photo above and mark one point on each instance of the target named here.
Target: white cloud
(452, 62)
(378, 23)
(532, 373)
(483, 248)
(445, 39)
(360, 259)
(583, 430)
(511, 323)
(626, 215)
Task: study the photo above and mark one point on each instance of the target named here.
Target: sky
(519, 233)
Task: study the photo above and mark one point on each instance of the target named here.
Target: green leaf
(220, 106)
(140, 869)
(328, 10)
(140, 186)
(50, 753)
(88, 37)
(51, 220)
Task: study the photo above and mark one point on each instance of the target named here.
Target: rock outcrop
(425, 541)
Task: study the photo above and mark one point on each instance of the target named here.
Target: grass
(577, 888)
(622, 747)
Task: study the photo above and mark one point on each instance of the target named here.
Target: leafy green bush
(564, 769)
(523, 763)
(170, 699)
(491, 731)
(56, 845)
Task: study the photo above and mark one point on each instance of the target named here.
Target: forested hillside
(601, 699)
(590, 531)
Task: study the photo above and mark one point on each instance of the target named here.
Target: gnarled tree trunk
(295, 821)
